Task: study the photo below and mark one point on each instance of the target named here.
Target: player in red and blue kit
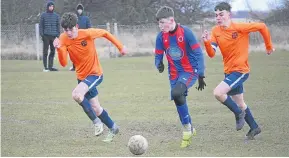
(185, 64)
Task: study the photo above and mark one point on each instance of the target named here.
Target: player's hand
(205, 36)
(270, 51)
(123, 51)
(56, 43)
(202, 83)
(161, 67)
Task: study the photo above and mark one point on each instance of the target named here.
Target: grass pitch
(39, 117)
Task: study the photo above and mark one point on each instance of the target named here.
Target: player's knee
(178, 93)
(180, 100)
(77, 97)
(218, 94)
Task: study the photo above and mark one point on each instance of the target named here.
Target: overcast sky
(255, 4)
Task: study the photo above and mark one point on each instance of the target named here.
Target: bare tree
(19, 11)
(280, 15)
(102, 11)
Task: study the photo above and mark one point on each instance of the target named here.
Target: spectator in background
(83, 23)
(49, 28)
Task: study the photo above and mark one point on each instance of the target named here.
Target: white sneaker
(98, 129)
(71, 68)
(46, 70)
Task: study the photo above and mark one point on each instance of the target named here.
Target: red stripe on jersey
(190, 79)
(157, 51)
(195, 46)
(185, 62)
(173, 69)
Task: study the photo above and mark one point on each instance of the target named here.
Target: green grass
(39, 117)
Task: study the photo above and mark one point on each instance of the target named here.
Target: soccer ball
(137, 144)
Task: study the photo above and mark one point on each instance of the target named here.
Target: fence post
(18, 34)
(37, 40)
(109, 43)
(115, 31)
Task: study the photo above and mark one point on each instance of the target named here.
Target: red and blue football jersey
(182, 50)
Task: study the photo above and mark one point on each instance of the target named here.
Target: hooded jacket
(83, 21)
(49, 22)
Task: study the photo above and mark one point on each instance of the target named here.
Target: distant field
(39, 117)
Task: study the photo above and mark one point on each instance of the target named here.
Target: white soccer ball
(137, 144)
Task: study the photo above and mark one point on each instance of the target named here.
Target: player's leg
(179, 93)
(45, 52)
(105, 118)
(231, 81)
(100, 112)
(98, 125)
(254, 128)
(179, 96)
(51, 55)
(92, 82)
(188, 79)
(78, 94)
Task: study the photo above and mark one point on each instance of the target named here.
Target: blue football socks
(250, 119)
(88, 109)
(232, 106)
(184, 113)
(104, 117)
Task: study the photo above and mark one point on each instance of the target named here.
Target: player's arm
(97, 33)
(159, 53)
(210, 43)
(260, 27)
(61, 50)
(195, 46)
(62, 55)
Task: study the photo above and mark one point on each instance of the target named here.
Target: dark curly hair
(68, 20)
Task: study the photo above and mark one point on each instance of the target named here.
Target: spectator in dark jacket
(49, 28)
(83, 22)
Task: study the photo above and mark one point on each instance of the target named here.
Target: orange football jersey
(82, 51)
(234, 44)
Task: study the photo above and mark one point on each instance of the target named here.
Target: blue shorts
(91, 81)
(235, 80)
(189, 79)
